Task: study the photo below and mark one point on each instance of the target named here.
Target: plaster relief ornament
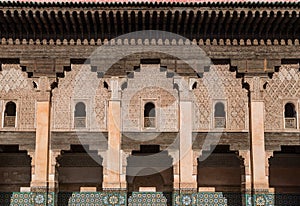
(150, 82)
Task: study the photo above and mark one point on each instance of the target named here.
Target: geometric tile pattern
(147, 199)
(184, 199)
(26, 199)
(273, 199)
(260, 199)
(200, 199)
(290, 199)
(92, 198)
(207, 199)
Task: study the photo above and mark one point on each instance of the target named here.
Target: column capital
(182, 84)
(43, 87)
(115, 87)
(256, 85)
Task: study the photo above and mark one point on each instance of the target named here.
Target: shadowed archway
(284, 172)
(79, 167)
(222, 171)
(149, 167)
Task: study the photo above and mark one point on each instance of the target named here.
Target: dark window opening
(289, 110)
(290, 116)
(220, 120)
(149, 115)
(10, 114)
(80, 115)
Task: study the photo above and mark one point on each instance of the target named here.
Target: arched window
(10, 114)
(149, 115)
(220, 115)
(290, 116)
(80, 115)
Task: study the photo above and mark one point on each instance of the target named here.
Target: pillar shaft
(187, 179)
(258, 146)
(41, 156)
(41, 145)
(113, 166)
(112, 178)
(257, 138)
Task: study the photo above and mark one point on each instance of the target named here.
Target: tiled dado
(272, 200)
(92, 198)
(149, 199)
(207, 199)
(113, 198)
(27, 199)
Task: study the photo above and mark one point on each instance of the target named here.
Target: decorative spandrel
(150, 85)
(282, 88)
(219, 84)
(80, 85)
(17, 87)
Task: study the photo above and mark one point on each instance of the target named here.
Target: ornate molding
(256, 85)
(159, 42)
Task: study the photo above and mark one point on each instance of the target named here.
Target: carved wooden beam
(276, 23)
(64, 28)
(162, 21)
(98, 29)
(141, 25)
(126, 20)
(79, 27)
(85, 29)
(233, 24)
(257, 28)
(175, 24)
(154, 20)
(4, 23)
(204, 23)
(244, 28)
(44, 27)
(91, 25)
(106, 29)
(190, 24)
(119, 23)
(147, 20)
(48, 23)
(133, 21)
(169, 20)
(69, 23)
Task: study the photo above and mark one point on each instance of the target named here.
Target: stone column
(41, 159)
(257, 139)
(269, 154)
(246, 180)
(176, 176)
(53, 176)
(188, 180)
(113, 166)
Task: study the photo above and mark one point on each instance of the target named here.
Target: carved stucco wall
(80, 85)
(282, 88)
(219, 84)
(150, 85)
(17, 87)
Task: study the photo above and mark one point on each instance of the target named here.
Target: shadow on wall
(224, 171)
(79, 167)
(5, 198)
(284, 175)
(63, 198)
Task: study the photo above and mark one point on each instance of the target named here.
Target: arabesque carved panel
(220, 84)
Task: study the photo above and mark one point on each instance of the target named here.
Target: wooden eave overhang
(66, 21)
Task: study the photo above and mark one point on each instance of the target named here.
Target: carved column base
(261, 191)
(114, 186)
(39, 189)
(188, 186)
